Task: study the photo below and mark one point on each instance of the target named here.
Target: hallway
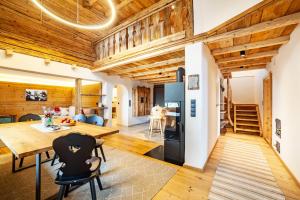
(190, 184)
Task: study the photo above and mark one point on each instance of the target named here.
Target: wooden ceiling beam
(247, 57)
(162, 82)
(155, 76)
(158, 71)
(264, 26)
(138, 16)
(246, 62)
(243, 65)
(151, 65)
(161, 79)
(252, 67)
(252, 45)
(123, 4)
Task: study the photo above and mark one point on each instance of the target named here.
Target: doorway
(120, 107)
(267, 108)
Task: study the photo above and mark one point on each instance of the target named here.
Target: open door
(267, 107)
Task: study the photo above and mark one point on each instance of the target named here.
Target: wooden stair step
(246, 111)
(247, 130)
(243, 119)
(246, 115)
(246, 124)
(246, 105)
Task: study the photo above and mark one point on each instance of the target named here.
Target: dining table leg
(38, 176)
(13, 163)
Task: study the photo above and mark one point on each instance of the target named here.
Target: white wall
(243, 90)
(247, 87)
(285, 68)
(20, 63)
(211, 13)
(201, 131)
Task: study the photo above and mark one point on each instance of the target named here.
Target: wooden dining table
(23, 140)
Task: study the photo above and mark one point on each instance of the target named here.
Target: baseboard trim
(203, 169)
(193, 168)
(286, 167)
(210, 153)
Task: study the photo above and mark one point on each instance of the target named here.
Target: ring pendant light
(77, 25)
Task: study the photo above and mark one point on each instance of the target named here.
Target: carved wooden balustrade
(173, 18)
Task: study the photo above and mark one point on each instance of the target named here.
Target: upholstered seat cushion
(99, 142)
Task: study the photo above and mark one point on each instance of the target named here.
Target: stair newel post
(229, 101)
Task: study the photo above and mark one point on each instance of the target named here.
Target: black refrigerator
(174, 142)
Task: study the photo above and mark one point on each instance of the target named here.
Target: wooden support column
(78, 84)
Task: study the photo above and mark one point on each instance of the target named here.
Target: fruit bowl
(68, 122)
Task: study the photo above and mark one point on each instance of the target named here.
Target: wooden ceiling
(26, 30)
(259, 32)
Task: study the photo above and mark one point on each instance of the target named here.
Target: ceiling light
(173, 7)
(76, 25)
(242, 53)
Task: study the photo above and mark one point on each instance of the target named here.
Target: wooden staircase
(247, 119)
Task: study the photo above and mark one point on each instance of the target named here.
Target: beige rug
(244, 174)
(124, 176)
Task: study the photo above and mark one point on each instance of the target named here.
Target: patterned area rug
(124, 176)
(244, 174)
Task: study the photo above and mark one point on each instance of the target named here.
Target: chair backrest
(29, 117)
(156, 111)
(96, 120)
(80, 118)
(74, 150)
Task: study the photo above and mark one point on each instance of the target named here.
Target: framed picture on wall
(193, 82)
(36, 95)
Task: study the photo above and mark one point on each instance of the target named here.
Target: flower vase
(47, 121)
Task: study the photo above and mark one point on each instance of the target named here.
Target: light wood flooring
(188, 184)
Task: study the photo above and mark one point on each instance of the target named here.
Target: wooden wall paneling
(91, 95)
(12, 98)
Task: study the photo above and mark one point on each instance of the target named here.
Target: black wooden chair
(98, 121)
(78, 166)
(26, 118)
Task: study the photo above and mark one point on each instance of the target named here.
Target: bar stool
(157, 119)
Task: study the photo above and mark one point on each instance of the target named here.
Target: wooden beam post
(78, 84)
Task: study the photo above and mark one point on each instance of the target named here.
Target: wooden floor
(190, 184)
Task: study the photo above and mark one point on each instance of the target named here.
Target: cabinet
(141, 101)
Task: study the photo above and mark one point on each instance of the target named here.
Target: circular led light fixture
(80, 26)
